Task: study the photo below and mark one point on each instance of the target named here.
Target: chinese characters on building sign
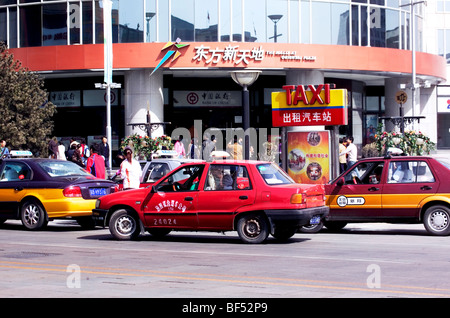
(232, 54)
(314, 106)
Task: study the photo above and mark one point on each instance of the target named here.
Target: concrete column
(143, 93)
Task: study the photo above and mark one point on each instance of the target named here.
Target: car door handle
(18, 188)
(189, 199)
(426, 188)
(243, 197)
(374, 189)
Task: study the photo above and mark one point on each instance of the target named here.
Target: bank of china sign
(309, 106)
(234, 54)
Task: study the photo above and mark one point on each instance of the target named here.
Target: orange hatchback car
(395, 189)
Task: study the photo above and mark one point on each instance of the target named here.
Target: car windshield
(273, 174)
(59, 168)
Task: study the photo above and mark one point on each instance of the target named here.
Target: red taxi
(253, 198)
(397, 189)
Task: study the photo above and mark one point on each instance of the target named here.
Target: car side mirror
(153, 189)
(340, 182)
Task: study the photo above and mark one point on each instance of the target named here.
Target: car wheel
(312, 228)
(253, 228)
(123, 225)
(284, 233)
(32, 215)
(437, 220)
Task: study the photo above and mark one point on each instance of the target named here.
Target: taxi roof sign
(21, 153)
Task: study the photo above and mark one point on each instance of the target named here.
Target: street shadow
(367, 231)
(190, 237)
(52, 226)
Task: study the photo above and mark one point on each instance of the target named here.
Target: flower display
(410, 142)
(144, 146)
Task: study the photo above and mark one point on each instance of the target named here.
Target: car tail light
(72, 192)
(298, 198)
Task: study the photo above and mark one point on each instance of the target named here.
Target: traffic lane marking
(255, 280)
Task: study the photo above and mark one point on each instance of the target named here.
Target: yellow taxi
(37, 191)
(393, 189)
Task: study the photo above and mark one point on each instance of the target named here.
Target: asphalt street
(362, 261)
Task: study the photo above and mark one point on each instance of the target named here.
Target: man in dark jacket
(104, 151)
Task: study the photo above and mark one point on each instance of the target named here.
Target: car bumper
(99, 216)
(296, 218)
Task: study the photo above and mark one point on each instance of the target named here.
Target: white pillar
(143, 93)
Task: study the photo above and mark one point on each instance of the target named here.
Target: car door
(174, 201)
(14, 177)
(408, 183)
(357, 194)
(227, 188)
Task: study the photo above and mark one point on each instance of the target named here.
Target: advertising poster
(309, 157)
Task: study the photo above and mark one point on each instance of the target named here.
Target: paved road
(364, 261)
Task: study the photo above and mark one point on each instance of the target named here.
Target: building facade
(364, 46)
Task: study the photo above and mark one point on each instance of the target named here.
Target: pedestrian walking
(130, 170)
(95, 164)
(84, 149)
(343, 157)
(179, 147)
(209, 145)
(351, 150)
(53, 148)
(193, 151)
(61, 155)
(104, 151)
(235, 149)
(76, 156)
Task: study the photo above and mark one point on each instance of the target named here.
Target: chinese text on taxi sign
(309, 106)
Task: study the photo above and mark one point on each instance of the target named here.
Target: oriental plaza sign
(233, 54)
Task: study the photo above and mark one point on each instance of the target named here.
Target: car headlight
(97, 203)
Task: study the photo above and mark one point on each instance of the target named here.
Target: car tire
(33, 215)
(124, 225)
(437, 220)
(312, 228)
(253, 228)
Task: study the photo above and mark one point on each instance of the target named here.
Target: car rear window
(59, 168)
(273, 175)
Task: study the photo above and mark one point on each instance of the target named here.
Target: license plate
(97, 192)
(315, 220)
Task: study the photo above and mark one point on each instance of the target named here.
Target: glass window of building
(206, 21)
(305, 22)
(340, 33)
(225, 21)
(444, 43)
(88, 27)
(30, 18)
(277, 21)
(98, 14)
(163, 21)
(54, 24)
(150, 21)
(236, 20)
(182, 20)
(3, 26)
(255, 21)
(74, 22)
(130, 21)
